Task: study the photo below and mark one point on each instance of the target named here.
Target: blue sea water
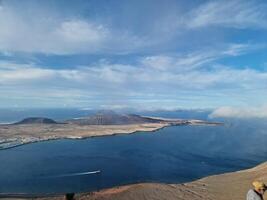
(171, 155)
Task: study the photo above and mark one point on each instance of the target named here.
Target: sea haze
(170, 155)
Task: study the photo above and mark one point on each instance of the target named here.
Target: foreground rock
(220, 187)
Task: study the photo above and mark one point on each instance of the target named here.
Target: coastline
(232, 185)
(87, 132)
(16, 135)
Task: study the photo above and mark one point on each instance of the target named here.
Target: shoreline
(231, 185)
(19, 135)
(30, 141)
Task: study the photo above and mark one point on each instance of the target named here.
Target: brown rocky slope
(230, 186)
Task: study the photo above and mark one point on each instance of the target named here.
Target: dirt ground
(230, 186)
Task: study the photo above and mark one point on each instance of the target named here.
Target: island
(35, 129)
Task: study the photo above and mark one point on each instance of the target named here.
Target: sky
(143, 54)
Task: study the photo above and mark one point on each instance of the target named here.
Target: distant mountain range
(100, 118)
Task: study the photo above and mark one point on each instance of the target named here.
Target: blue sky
(158, 54)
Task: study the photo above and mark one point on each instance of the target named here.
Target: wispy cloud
(193, 60)
(132, 83)
(227, 13)
(178, 53)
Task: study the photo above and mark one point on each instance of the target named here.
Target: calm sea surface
(172, 155)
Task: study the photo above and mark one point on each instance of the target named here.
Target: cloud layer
(54, 32)
(179, 80)
(246, 112)
(133, 53)
(50, 33)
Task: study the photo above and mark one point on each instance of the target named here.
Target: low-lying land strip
(40, 129)
(14, 135)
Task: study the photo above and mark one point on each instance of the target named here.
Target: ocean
(171, 155)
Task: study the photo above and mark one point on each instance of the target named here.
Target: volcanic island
(35, 129)
(226, 186)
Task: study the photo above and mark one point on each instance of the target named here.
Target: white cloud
(185, 62)
(229, 13)
(51, 34)
(246, 112)
(132, 78)
(12, 73)
(25, 74)
(65, 37)
(128, 84)
(152, 77)
(239, 49)
(159, 62)
(81, 31)
(180, 62)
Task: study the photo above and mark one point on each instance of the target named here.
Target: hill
(36, 120)
(220, 187)
(112, 118)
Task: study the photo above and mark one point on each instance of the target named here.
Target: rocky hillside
(220, 187)
(112, 118)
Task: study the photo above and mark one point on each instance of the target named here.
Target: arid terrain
(230, 186)
(39, 129)
(222, 187)
(15, 135)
